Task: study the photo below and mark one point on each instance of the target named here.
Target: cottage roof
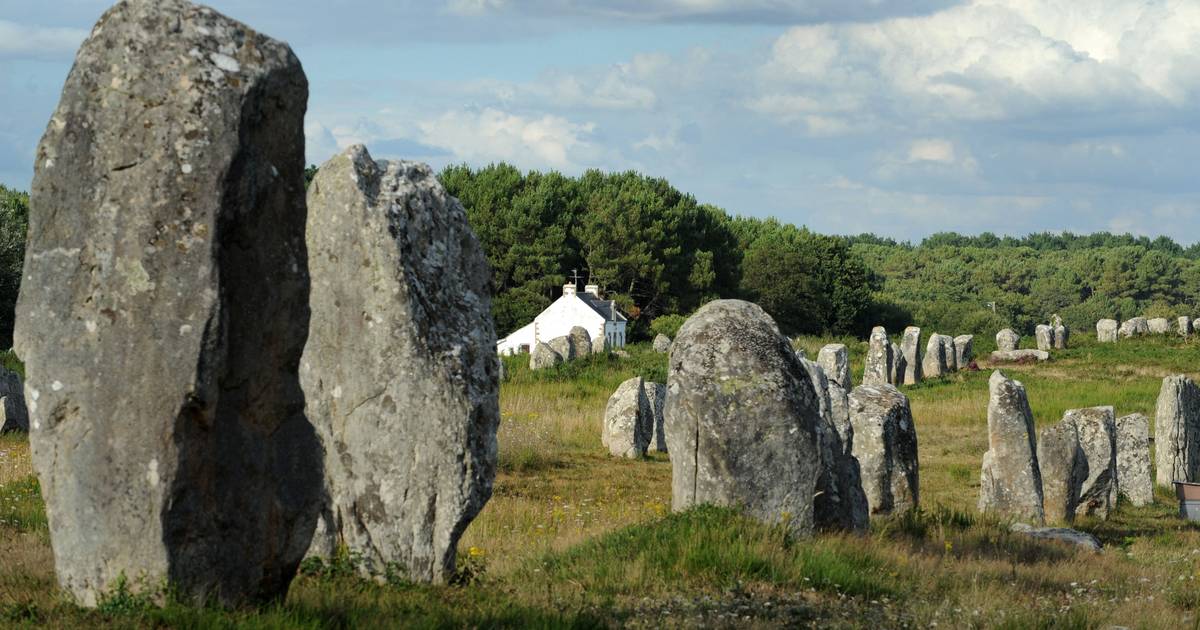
(605, 308)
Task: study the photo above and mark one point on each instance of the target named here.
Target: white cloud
(932, 150)
(735, 11)
(996, 60)
(545, 141)
(28, 40)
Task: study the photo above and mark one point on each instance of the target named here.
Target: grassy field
(574, 538)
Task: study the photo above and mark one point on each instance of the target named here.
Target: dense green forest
(661, 254)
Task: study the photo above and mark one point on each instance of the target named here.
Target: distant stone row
(574, 345)
(1080, 465)
(750, 423)
(1109, 330)
(889, 363)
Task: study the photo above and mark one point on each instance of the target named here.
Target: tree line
(661, 254)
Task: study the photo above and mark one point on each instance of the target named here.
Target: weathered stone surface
(662, 343)
(950, 352)
(1010, 481)
(1007, 340)
(935, 357)
(1045, 337)
(1183, 326)
(1019, 356)
(910, 350)
(1177, 431)
(839, 503)
(15, 416)
(742, 416)
(1055, 321)
(885, 444)
(879, 358)
(1061, 334)
(656, 395)
(1134, 327)
(580, 341)
(563, 347)
(834, 359)
(1059, 534)
(1097, 429)
(964, 347)
(543, 356)
(628, 420)
(1064, 468)
(164, 308)
(600, 345)
(1134, 479)
(1159, 325)
(1106, 331)
(899, 366)
(399, 373)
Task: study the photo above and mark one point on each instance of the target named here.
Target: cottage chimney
(594, 289)
(569, 289)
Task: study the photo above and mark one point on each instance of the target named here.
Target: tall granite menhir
(742, 417)
(400, 371)
(164, 310)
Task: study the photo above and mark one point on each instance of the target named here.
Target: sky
(846, 116)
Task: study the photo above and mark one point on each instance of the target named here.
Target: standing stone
(1196, 324)
(935, 357)
(1106, 331)
(1055, 321)
(12, 403)
(398, 374)
(1134, 480)
(899, 366)
(600, 345)
(885, 444)
(164, 309)
(1060, 337)
(1177, 431)
(741, 418)
(1064, 468)
(879, 358)
(834, 359)
(1045, 337)
(950, 352)
(1028, 355)
(628, 421)
(839, 503)
(662, 343)
(563, 347)
(910, 349)
(543, 356)
(1184, 325)
(1159, 325)
(1134, 327)
(581, 342)
(964, 347)
(656, 395)
(502, 371)
(1010, 482)
(1097, 429)
(1007, 340)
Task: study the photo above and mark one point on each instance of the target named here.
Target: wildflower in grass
(475, 552)
(949, 546)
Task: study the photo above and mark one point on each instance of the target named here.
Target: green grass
(573, 538)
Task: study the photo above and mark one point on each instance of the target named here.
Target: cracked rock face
(1007, 340)
(741, 417)
(834, 359)
(839, 503)
(964, 349)
(885, 444)
(1064, 467)
(628, 420)
(1134, 479)
(400, 372)
(1106, 330)
(910, 348)
(1177, 431)
(878, 370)
(1097, 428)
(935, 364)
(1010, 483)
(164, 308)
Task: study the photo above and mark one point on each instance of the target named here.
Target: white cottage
(600, 317)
